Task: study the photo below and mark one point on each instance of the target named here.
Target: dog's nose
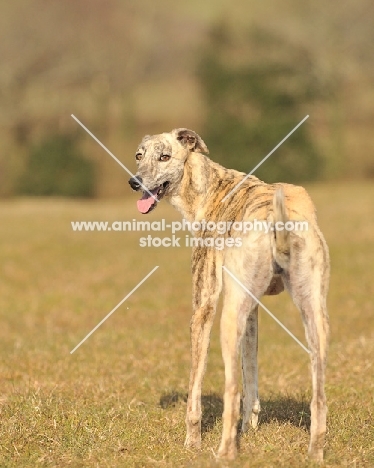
(135, 182)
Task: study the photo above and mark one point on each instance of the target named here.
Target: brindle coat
(173, 166)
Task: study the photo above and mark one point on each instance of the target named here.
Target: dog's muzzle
(135, 182)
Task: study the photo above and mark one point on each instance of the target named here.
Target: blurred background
(242, 74)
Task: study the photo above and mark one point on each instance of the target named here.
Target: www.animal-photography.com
(187, 218)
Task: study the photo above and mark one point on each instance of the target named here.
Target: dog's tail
(281, 246)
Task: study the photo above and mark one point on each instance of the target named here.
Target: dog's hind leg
(236, 308)
(251, 402)
(207, 284)
(307, 282)
(316, 330)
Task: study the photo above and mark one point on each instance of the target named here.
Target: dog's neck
(203, 179)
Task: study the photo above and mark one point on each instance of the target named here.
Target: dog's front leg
(207, 284)
(251, 402)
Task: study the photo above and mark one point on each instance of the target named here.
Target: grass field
(120, 399)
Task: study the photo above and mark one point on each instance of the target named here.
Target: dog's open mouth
(148, 202)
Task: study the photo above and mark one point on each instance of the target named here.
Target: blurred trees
(56, 167)
(129, 68)
(252, 105)
(93, 59)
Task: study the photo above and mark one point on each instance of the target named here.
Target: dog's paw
(316, 454)
(192, 443)
(193, 440)
(227, 451)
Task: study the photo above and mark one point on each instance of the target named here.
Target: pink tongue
(146, 202)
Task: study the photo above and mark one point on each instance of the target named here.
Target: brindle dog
(173, 166)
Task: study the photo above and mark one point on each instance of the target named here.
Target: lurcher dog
(173, 166)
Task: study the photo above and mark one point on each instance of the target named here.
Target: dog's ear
(190, 139)
(145, 138)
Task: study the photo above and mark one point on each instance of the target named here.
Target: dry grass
(119, 400)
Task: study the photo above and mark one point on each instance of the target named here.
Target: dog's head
(160, 160)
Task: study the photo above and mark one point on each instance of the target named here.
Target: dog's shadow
(277, 408)
(212, 406)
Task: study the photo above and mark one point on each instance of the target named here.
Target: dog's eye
(165, 157)
(138, 156)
